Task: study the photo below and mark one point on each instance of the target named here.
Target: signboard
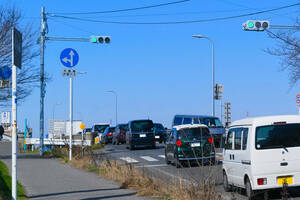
(298, 98)
(67, 72)
(17, 48)
(5, 72)
(69, 57)
(5, 117)
(82, 126)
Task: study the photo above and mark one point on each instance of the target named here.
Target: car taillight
(210, 140)
(109, 133)
(119, 133)
(262, 181)
(179, 143)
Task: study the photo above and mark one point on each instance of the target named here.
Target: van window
(187, 121)
(229, 140)
(196, 121)
(237, 138)
(193, 133)
(277, 136)
(245, 138)
(177, 121)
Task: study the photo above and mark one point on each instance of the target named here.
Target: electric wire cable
(179, 22)
(123, 10)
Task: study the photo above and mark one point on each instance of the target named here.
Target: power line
(179, 22)
(123, 10)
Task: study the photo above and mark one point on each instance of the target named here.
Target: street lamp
(111, 91)
(213, 70)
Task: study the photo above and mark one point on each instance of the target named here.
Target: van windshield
(211, 122)
(277, 136)
(193, 133)
(142, 126)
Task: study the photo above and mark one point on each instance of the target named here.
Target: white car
(262, 153)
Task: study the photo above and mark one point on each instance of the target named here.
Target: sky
(160, 70)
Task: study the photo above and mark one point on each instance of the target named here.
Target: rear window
(101, 128)
(159, 127)
(142, 126)
(124, 127)
(111, 130)
(277, 136)
(177, 121)
(187, 120)
(193, 133)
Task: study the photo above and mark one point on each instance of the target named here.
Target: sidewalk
(49, 179)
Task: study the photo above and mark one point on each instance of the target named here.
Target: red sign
(298, 98)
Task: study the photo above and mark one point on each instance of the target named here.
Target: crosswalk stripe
(148, 158)
(162, 156)
(129, 160)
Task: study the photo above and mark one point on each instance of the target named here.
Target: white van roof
(267, 120)
(179, 127)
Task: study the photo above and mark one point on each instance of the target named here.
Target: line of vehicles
(259, 154)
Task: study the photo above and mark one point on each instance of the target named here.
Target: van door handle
(232, 156)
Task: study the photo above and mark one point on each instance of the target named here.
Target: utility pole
(44, 30)
(42, 77)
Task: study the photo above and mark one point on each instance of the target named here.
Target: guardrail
(60, 142)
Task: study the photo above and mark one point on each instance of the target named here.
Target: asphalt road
(49, 179)
(153, 162)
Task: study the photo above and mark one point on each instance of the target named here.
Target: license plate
(287, 179)
(157, 137)
(142, 135)
(195, 145)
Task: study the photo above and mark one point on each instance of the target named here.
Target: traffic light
(100, 39)
(256, 25)
(227, 113)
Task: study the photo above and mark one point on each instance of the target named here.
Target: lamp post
(111, 91)
(213, 70)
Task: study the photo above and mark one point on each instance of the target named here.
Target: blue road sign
(69, 57)
(5, 72)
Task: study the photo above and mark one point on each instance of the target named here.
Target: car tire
(131, 147)
(167, 159)
(249, 191)
(177, 162)
(227, 186)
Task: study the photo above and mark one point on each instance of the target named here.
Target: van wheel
(249, 191)
(177, 163)
(227, 187)
(131, 147)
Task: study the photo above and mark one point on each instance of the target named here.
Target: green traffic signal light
(250, 24)
(94, 39)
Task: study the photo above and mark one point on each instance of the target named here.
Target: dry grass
(130, 177)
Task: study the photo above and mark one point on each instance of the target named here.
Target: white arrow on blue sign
(69, 57)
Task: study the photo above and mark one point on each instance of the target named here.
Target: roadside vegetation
(5, 185)
(130, 177)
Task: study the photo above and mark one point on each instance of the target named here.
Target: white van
(262, 153)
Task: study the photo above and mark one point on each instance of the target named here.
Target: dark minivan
(119, 136)
(160, 133)
(187, 143)
(140, 134)
(108, 135)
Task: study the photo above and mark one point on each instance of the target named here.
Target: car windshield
(193, 133)
(100, 128)
(159, 127)
(142, 126)
(211, 122)
(124, 127)
(277, 136)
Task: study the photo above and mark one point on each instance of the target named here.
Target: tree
(29, 76)
(288, 49)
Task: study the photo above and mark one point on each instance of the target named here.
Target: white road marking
(162, 165)
(129, 160)
(148, 158)
(162, 156)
